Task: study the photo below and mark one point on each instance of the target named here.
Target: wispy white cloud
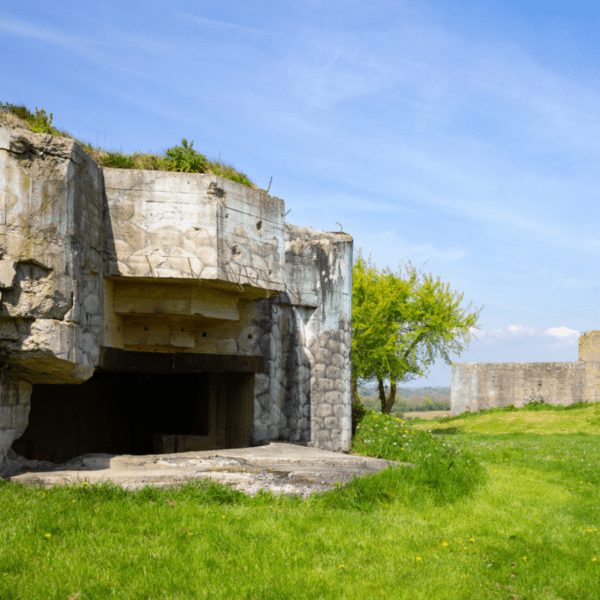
(439, 87)
(566, 338)
(562, 333)
(11, 25)
(222, 25)
(388, 243)
(111, 38)
(569, 282)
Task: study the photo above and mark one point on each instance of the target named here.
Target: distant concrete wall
(478, 386)
(589, 346)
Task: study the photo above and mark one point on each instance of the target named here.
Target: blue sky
(461, 133)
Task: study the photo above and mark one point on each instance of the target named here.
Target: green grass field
(505, 504)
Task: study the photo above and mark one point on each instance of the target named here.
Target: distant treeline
(412, 399)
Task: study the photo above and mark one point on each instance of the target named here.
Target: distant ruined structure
(477, 386)
(147, 311)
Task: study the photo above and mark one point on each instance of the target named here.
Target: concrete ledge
(277, 467)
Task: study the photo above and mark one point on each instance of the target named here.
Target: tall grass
(442, 470)
(177, 158)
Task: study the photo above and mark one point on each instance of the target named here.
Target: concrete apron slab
(277, 467)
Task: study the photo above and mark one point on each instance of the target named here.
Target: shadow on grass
(448, 430)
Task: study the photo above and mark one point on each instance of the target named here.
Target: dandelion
(342, 567)
(85, 483)
(190, 533)
(418, 558)
(524, 558)
(593, 560)
(223, 517)
(465, 548)
(471, 540)
(444, 543)
(47, 535)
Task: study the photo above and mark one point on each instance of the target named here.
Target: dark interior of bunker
(139, 413)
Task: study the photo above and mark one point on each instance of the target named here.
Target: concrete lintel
(115, 359)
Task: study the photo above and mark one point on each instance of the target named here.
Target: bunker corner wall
(304, 394)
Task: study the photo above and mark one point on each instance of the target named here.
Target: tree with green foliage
(402, 322)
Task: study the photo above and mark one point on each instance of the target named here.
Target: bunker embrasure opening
(138, 413)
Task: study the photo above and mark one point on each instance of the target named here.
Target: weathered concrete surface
(589, 346)
(479, 386)
(51, 243)
(146, 261)
(277, 467)
(163, 225)
(321, 364)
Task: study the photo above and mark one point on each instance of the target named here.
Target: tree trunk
(355, 395)
(387, 402)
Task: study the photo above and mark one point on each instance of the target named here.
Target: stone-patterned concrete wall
(331, 403)
(327, 328)
(270, 386)
(478, 386)
(14, 411)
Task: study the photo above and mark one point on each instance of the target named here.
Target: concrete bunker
(157, 312)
